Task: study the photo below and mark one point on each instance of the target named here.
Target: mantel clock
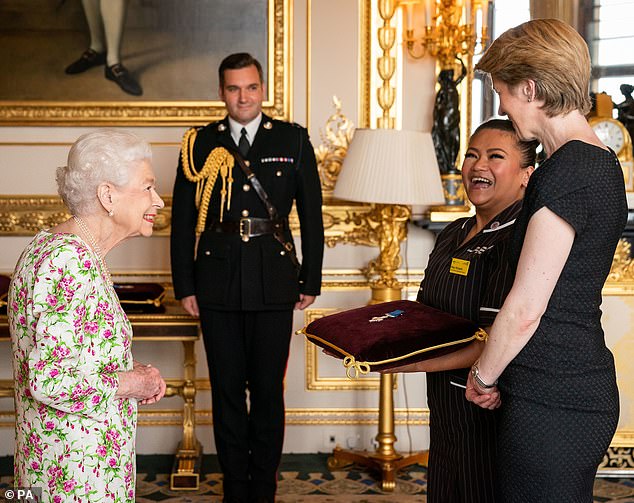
(614, 134)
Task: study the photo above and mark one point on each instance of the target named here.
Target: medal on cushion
(391, 314)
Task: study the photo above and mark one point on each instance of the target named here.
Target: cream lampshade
(389, 166)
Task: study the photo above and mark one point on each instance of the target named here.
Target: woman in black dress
(556, 376)
(495, 172)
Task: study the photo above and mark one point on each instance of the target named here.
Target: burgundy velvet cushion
(418, 333)
(139, 298)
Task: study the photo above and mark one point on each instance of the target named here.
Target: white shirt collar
(251, 127)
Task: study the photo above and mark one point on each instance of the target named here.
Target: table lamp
(392, 169)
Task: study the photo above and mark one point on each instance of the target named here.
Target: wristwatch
(475, 373)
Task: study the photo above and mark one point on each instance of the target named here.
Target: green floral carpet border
(305, 478)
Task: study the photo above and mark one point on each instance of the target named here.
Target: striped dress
(463, 435)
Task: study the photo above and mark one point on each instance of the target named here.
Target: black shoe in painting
(86, 61)
(120, 74)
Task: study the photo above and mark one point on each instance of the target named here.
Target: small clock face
(610, 134)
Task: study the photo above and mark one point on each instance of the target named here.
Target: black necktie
(243, 145)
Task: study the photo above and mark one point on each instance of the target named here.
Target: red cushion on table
(140, 298)
(419, 333)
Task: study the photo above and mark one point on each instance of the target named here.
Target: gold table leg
(186, 470)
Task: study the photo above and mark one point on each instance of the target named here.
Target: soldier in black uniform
(242, 277)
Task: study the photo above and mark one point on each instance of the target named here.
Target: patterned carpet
(305, 478)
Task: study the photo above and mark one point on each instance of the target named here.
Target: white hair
(104, 155)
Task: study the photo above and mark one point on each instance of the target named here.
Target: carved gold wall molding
(25, 215)
(365, 416)
(336, 137)
(294, 416)
(386, 63)
(622, 270)
(365, 65)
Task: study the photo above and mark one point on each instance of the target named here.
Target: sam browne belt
(270, 209)
(249, 227)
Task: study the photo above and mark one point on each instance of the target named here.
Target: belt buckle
(245, 229)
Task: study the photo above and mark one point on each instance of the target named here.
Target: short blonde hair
(549, 52)
(104, 155)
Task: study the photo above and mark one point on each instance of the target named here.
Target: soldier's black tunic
(462, 435)
(246, 292)
(229, 274)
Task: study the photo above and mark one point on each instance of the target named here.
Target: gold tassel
(218, 160)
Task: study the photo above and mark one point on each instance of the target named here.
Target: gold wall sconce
(452, 31)
(452, 28)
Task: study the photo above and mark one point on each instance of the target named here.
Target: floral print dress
(70, 337)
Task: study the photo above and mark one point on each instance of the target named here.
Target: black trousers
(247, 351)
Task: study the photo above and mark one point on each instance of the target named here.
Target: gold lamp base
(387, 465)
(384, 459)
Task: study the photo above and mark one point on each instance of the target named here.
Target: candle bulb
(428, 12)
(409, 13)
(485, 14)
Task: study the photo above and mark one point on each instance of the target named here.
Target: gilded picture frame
(179, 87)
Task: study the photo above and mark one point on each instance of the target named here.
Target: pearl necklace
(105, 272)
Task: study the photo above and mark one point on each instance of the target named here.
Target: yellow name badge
(459, 266)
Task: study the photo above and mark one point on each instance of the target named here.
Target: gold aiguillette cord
(218, 160)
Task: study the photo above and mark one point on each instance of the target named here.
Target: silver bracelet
(475, 373)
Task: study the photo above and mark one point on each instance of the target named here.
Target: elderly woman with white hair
(76, 384)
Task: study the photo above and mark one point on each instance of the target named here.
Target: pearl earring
(111, 213)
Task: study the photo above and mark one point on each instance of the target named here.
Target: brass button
(278, 173)
(282, 252)
(246, 187)
(207, 252)
(245, 238)
(245, 213)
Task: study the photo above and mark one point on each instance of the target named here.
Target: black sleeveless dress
(560, 402)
